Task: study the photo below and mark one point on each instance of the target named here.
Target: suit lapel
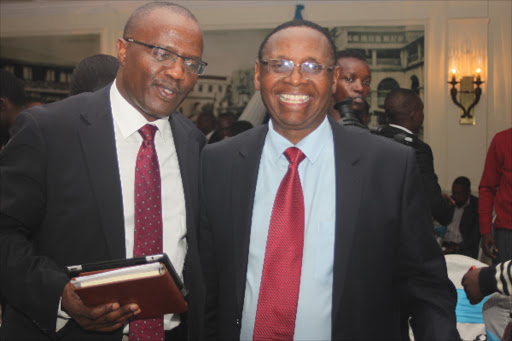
(187, 150)
(349, 183)
(243, 187)
(96, 131)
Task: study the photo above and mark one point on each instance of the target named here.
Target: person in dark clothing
(93, 73)
(12, 101)
(404, 109)
(462, 233)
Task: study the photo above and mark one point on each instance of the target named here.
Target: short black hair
(351, 54)
(93, 73)
(299, 23)
(399, 103)
(464, 181)
(142, 12)
(11, 88)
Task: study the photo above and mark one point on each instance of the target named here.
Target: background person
(93, 73)
(353, 82)
(495, 193)
(12, 101)
(463, 233)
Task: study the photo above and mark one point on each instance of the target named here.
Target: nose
(296, 77)
(175, 69)
(358, 86)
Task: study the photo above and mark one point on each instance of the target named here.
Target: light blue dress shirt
(317, 176)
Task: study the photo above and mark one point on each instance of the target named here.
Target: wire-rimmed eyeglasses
(285, 67)
(162, 54)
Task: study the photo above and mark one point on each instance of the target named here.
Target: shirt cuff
(62, 317)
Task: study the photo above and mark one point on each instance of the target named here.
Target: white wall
(458, 149)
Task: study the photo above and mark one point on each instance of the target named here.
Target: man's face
(156, 88)
(460, 194)
(297, 102)
(354, 81)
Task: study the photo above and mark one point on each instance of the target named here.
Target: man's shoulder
(70, 106)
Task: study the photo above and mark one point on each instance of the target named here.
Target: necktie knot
(148, 132)
(294, 155)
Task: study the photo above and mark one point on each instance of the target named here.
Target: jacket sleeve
(496, 278)
(30, 283)
(438, 205)
(426, 290)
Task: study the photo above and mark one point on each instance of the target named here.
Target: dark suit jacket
(469, 228)
(61, 204)
(384, 247)
(425, 158)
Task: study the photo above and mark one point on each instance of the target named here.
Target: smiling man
(71, 192)
(307, 226)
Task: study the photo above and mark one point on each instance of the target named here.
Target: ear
(336, 75)
(121, 50)
(257, 75)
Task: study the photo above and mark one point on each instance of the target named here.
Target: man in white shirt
(68, 194)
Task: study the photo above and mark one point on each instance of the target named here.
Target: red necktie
(148, 222)
(280, 281)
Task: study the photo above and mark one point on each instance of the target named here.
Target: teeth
(167, 91)
(294, 99)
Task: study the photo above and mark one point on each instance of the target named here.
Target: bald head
(141, 13)
(405, 108)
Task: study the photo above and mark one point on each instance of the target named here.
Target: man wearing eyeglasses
(77, 178)
(311, 230)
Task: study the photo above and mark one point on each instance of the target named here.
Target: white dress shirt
(127, 122)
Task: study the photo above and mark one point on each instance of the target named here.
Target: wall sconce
(470, 93)
(466, 70)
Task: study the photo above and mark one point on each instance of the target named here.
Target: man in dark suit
(355, 226)
(463, 232)
(68, 194)
(404, 110)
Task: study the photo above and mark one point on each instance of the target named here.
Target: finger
(112, 320)
(120, 315)
(97, 312)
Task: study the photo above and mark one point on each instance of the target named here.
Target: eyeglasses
(162, 54)
(285, 67)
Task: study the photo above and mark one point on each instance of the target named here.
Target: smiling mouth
(294, 99)
(166, 92)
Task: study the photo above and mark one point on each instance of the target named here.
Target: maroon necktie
(148, 222)
(280, 281)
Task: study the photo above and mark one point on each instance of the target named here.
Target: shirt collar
(402, 128)
(311, 145)
(129, 120)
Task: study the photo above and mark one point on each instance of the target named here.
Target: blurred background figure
(483, 281)
(404, 110)
(495, 193)
(223, 130)
(239, 127)
(462, 233)
(353, 85)
(12, 101)
(93, 73)
(206, 122)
